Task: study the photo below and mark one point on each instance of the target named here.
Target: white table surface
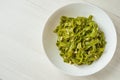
(21, 53)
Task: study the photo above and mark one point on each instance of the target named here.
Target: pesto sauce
(79, 41)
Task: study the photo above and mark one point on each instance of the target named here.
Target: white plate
(74, 10)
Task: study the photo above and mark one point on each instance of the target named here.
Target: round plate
(74, 10)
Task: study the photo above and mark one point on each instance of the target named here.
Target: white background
(21, 53)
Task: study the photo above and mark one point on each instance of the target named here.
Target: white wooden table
(21, 53)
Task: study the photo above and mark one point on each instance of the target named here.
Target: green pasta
(79, 41)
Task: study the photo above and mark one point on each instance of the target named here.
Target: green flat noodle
(80, 41)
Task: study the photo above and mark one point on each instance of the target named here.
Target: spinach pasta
(79, 41)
